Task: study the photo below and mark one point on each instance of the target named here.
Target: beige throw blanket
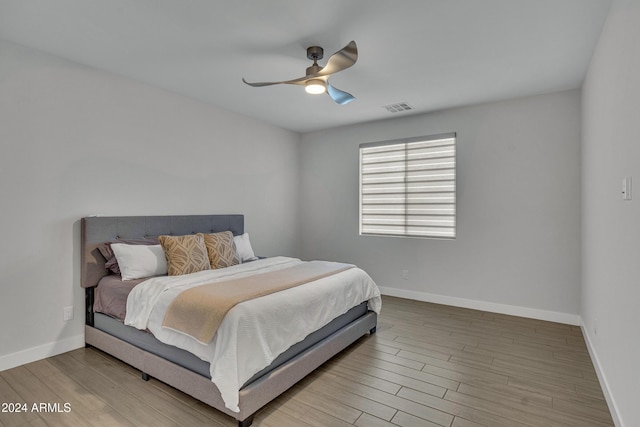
(199, 311)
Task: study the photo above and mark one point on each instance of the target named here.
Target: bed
(183, 366)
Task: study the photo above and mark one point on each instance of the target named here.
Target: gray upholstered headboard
(96, 230)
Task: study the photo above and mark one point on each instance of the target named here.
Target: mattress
(148, 342)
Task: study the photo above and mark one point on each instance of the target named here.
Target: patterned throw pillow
(185, 254)
(221, 249)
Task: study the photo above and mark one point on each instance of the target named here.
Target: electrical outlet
(404, 274)
(67, 313)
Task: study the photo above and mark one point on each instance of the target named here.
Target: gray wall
(611, 226)
(518, 193)
(76, 141)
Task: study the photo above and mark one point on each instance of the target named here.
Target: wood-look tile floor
(428, 365)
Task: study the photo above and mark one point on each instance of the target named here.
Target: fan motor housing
(315, 52)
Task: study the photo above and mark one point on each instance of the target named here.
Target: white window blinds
(408, 187)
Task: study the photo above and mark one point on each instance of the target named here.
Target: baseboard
(41, 352)
(604, 384)
(513, 310)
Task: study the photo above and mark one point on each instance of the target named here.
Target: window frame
(411, 221)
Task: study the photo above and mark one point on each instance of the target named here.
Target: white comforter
(254, 332)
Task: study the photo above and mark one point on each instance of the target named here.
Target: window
(408, 187)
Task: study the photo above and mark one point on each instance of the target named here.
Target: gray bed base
(256, 393)
(148, 342)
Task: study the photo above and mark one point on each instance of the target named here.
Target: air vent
(399, 107)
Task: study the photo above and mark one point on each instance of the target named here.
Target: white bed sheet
(254, 332)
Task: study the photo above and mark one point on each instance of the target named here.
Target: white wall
(75, 141)
(611, 226)
(518, 224)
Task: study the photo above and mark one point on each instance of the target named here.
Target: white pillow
(243, 248)
(138, 261)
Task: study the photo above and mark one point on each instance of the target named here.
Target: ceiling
(431, 54)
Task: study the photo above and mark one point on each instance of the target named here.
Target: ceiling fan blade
(297, 81)
(341, 60)
(259, 84)
(339, 96)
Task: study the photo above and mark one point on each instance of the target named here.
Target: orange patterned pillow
(221, 249)
(185, 254)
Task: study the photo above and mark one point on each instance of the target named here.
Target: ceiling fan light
(315, 86)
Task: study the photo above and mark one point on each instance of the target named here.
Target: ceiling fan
(316, 80)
